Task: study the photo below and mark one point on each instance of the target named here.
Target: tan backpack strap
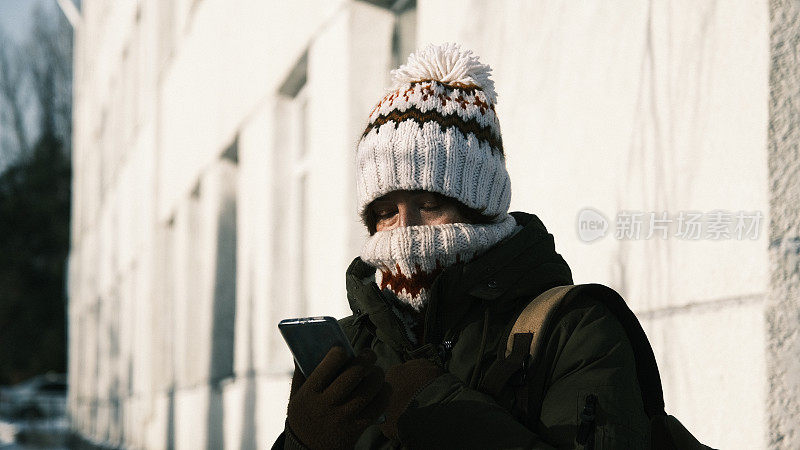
(535, 315)
(523, 340)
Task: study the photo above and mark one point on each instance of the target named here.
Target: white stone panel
(104, 263)
(155, 430)
(713, 370)
(233, 399)
(143, 354)
(254, 326)
(135, 183)
(273, 396)
(190, 306)
(191, 418)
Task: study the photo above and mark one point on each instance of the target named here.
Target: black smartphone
(310, 339)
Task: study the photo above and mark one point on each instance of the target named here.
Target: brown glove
(338, 401)
(407, 380)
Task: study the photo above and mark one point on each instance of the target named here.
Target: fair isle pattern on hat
(437, 131)
(408, 259)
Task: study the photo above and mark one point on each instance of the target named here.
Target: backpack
(524, 348)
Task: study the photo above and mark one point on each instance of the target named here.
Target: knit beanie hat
(436, 130)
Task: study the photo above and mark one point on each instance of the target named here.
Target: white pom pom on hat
(447, 63)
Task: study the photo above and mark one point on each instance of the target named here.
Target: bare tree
(49, 63)
(36, 86)
(12, 101)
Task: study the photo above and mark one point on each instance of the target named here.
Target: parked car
(42, 396)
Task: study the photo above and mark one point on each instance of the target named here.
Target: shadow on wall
(248, 431)
(249, 419)
(223, 316)
(171, 419)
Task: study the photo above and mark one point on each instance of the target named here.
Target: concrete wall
(213, 166)
(783, 306)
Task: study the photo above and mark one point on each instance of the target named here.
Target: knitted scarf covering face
(408, 259)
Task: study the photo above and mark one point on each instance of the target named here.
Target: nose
(408, 215)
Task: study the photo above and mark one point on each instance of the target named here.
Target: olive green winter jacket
(468, 318)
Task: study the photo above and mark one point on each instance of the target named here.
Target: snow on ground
(7, 432)
(50, 434)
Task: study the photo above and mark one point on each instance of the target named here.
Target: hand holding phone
(340, 398)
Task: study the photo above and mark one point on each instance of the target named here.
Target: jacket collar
(516, 269)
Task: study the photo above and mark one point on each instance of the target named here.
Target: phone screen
(310, 339)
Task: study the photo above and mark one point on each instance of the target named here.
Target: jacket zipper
(445, 350)
(585, 435)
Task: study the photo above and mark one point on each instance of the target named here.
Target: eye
(384, 211)
(431, 205)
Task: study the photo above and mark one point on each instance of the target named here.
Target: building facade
(214, 193)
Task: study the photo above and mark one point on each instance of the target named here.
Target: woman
(438, 285)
